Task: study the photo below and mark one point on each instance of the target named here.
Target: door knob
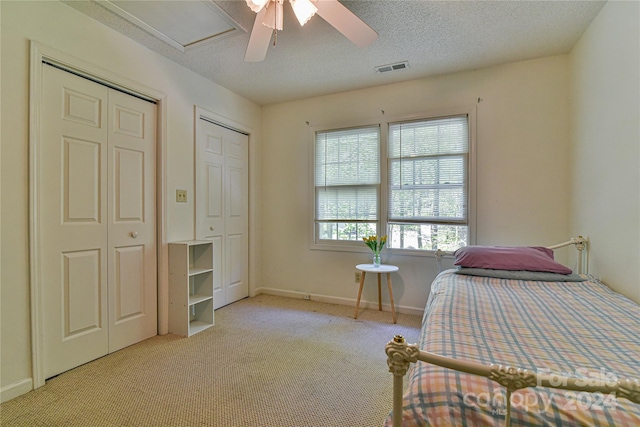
(212, 228)
(133, 234)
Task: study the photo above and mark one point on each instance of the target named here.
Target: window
(428, 169)
(347, 183)
(408, 178)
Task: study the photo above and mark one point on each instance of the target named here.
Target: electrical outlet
(307, 296)
(181, 196)
(358, 276)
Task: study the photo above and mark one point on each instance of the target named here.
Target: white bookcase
(190, 287)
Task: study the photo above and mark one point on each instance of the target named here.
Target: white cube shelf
(190, 286)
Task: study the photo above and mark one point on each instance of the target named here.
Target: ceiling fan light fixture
(303, 10)
(273, 17)
(269, 21)
(257, 5)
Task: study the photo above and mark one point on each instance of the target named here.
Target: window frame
(470, 172)
(341, 245)
(383, 187)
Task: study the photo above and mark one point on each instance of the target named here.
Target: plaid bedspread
(580, 329)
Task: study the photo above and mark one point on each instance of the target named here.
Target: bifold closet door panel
(72, 204)
(132, 220)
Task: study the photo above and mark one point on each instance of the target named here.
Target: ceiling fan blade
(346, 22)
(259, 39)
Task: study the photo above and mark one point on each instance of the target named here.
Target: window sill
(332, 247)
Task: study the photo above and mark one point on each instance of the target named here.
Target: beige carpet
(268, 361)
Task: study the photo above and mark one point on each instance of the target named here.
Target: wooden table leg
(355, 316)
(393, 310)
(379, 294)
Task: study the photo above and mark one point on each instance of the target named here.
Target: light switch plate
(181, 196)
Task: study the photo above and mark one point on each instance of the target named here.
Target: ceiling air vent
(392, 67)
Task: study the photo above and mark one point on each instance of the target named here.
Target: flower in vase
(374, 243)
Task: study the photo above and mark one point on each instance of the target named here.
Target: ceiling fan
(269, 19)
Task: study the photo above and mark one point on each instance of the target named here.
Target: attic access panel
(182, 24)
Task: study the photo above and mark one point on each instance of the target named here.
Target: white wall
(605, 113)
(62, 28)
(522, 174)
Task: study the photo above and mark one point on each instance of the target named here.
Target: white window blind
(347, 181)
(428, 183)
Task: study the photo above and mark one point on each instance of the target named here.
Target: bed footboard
(400, 355)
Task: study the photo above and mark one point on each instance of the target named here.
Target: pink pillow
(531, 258)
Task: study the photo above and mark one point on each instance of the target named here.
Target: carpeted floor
(268, 361)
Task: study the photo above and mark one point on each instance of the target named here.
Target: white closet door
(236, 221)
(132, 221)
(85, 272)
(222, 207)
(73, 220)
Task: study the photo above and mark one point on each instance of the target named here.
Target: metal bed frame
(400, 355)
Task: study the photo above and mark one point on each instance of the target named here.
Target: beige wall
(605, 113)
(522, 173)
(62, 28)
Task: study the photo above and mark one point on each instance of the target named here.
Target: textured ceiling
(436, 37)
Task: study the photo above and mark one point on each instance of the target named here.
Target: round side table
(383, 268)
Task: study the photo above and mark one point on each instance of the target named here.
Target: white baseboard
(372, 305)
(16, 389)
